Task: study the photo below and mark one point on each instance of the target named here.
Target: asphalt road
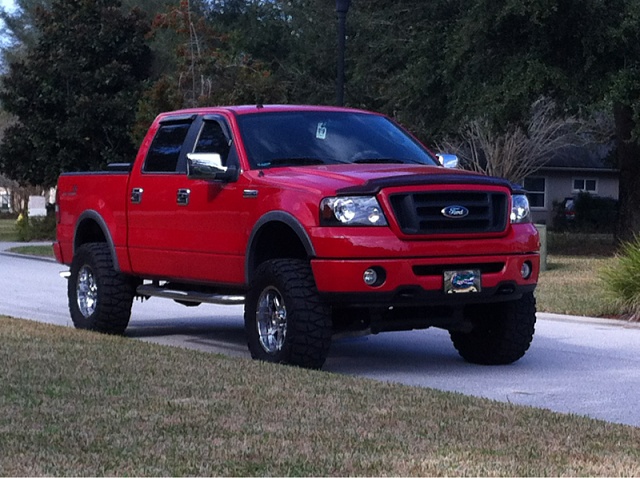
(575, 365)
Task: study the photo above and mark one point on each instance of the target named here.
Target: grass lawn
(78, 403)
(571, 285)
(8, 231)
(42, 251)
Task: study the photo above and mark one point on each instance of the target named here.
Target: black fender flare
(95, 216)
(269, 218)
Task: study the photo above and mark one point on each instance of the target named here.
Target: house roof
(592, 157)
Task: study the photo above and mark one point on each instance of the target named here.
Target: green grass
(572, 285)
(41, 251)
(8, 231)
(78, 403)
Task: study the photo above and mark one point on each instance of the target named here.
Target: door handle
(136, 195)
(182, 197)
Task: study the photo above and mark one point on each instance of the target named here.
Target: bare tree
(521, 150)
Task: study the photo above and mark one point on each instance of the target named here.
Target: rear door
(154, 241)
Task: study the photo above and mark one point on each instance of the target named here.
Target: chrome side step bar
(198, 297)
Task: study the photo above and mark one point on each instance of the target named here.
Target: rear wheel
(501, 333)
(100, 298)
(285, 320)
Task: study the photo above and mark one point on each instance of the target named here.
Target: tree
(584, 54)
(520, 150)
(74, 92)
(208, 71)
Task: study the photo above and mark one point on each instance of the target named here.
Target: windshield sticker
(321, 132)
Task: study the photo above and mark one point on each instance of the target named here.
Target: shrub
(593, 214)
(622, 277)
(36, 228)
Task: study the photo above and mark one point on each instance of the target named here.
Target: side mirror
(209, 166)
(450, 161)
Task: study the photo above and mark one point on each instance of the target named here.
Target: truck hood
(359, 179)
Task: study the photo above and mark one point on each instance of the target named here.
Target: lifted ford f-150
(320, 220)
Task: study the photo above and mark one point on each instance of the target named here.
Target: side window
(213, 140)
(585, 185)
(165, 148)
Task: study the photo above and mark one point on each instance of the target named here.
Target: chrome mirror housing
(208, 166)
(449, 161)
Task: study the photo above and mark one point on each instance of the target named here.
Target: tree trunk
(628, 223)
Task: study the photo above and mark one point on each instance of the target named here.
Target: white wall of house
(561, 184)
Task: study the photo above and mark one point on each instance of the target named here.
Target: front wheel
(100, 298)
(501, 333)
(285, 319)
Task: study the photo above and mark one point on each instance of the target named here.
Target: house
(569, 172)
(5, 200)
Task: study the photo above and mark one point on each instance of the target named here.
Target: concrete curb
(590, 320)
(5, 246)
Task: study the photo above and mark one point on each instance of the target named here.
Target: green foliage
(593, 214)
(208, 71)
(36, 228)
(74, 93)
(621, 279)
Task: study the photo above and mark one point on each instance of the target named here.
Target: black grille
(421, 213)
(438, 270)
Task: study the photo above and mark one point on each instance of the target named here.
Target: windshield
(303, 138)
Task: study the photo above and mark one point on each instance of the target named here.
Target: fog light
(374, 276)
(525, 270)
(370, 277)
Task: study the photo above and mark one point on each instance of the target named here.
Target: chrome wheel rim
(271, 320)
(87, 291)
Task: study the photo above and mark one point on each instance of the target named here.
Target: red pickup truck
(321, 220)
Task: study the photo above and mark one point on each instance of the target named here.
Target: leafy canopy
(74, 92)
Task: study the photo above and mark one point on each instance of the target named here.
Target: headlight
(520, 212)
(351, 211)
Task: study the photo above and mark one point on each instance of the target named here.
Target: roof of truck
(258, 108)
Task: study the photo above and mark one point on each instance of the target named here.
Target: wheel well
(275, 240)
(88, 231)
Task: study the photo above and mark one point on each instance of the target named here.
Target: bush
(8, 215)
(36, 228)
(622, 277)
(592, 215)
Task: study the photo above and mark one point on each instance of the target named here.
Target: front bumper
(420, 281)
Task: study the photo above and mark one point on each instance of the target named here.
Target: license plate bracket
(462, 281)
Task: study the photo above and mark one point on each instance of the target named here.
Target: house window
(536, 191)
(585, 185)
(4, 201)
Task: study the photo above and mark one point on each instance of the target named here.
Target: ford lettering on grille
(455, 212)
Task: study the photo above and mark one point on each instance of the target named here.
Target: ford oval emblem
(455, 212)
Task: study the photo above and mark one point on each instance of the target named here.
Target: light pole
(342, 7)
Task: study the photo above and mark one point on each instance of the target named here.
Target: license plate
(462, 282)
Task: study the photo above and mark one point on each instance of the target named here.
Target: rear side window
(165, 148)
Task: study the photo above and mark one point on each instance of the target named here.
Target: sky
(7, 4)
